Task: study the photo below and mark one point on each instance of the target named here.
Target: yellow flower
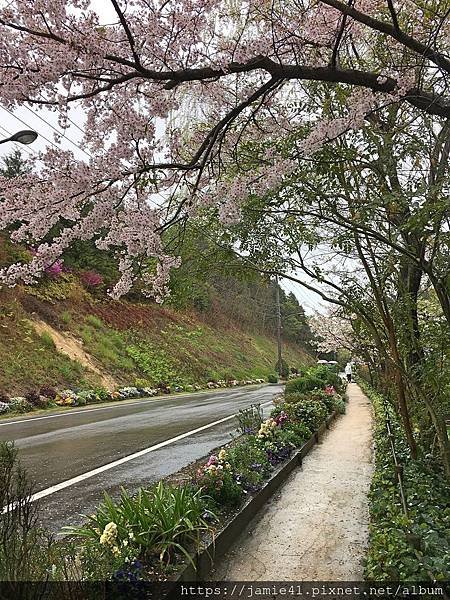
(222, 455)
(109, 534)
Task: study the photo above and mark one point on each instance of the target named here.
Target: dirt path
(316, 527)
(71, 347)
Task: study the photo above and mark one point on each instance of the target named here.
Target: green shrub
(222, 488)
(65, 317)
(310, 412)
(293, 397)
(296, 434)
(249, 460)
(94, 321)
(326, 374)
(24, 548)
(326, 399)
(98, 394)
(272, 378)
(339, 404)
(306, 383)
(83, 398)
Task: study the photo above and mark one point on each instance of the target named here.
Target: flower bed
(48, 397)
(122, 531)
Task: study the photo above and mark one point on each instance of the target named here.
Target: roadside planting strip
(79, 478)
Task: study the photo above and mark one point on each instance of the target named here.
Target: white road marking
(69, 482)
(116, 405)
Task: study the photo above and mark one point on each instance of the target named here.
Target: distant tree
(14, 165)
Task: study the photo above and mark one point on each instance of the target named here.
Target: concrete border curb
(205, 559)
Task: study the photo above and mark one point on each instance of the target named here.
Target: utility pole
(279, 325)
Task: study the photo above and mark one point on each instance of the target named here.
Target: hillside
(60, 334)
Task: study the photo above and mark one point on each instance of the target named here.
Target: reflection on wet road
(56, 449)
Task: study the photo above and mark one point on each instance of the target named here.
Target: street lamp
(26, 136)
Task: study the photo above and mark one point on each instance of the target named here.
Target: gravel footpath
(316, 527)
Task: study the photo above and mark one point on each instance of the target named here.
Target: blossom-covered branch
(171, 91)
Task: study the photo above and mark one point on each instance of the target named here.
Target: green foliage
(339, 404)
(222, 488)
(14, 165)
(55, 290)
(249, 462)
(47, 340)
(304, 383)
(282, 369)
(296, 433)
(155, 363)
(65, 317)
(85, 256)
(405, 548)
(162, 521)
(328, 374)
(20, 405)
(305, 410)
(314, 378)
(24, 548)
(94, 321)
(272, 378)
(250, 419)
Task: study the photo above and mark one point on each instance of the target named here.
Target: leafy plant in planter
(162, 521)
(249, 461)
(222, 487)
(250, 419)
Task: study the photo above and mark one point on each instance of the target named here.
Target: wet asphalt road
(56, 448)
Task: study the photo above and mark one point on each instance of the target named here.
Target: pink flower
(55, 269)
(213, 460)
(91, 279)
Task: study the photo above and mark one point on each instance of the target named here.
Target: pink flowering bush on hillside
(91, 279)
(55, 270)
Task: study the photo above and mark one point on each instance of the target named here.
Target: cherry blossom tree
(332, 332)
(175, 93)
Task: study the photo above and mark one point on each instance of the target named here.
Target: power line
(21, 147)
(301, 293)
(62, 134)
(16, 145)
(30, 127)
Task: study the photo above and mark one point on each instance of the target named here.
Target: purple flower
(55, 269)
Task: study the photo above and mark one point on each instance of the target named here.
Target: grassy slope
(134, 342)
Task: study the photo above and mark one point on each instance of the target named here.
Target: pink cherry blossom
(188, 105)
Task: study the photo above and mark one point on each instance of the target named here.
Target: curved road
(59, 447)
